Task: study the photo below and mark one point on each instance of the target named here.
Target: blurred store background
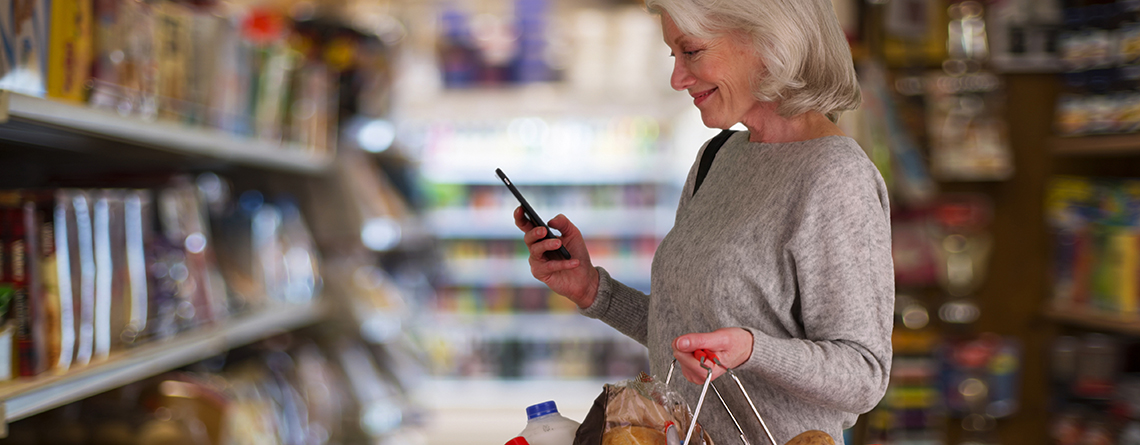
(264, 222)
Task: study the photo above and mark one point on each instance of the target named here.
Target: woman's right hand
(575, 278)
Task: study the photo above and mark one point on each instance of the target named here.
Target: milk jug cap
(518, 441)
(541, 409)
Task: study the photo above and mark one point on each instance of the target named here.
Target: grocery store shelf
(633, 271)
(532, 327)
(1097, 145)
(27, 397)
(538, 99)
(497, 223)
(476, 166)
(198, 142)
(1096, 320)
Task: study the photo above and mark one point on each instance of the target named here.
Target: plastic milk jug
(545, 426)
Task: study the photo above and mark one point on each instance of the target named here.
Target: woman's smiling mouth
(700, 97)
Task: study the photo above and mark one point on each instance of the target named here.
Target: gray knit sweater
(792, 242)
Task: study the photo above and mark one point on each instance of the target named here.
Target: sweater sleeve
(844, 285)
(620, 306)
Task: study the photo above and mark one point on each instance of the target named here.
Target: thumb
(692, 342)
(563, 225)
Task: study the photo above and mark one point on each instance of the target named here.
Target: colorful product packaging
(24, 38)
(70, 50)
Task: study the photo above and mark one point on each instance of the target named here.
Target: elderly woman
(781, 262)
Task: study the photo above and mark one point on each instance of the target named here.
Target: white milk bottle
(545, 426)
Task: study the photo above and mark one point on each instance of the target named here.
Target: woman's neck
(765, 125)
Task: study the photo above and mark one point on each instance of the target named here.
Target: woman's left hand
(733, 346)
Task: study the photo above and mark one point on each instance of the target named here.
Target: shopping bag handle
(703, 355)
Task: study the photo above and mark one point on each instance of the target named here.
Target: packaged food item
(23, 32)
(137, 215)
(84, 300)
(201, 288)
(228, 101)
(630, 412)
(47, 276)
(26, 276)
(206, 38)
(63, 231)
(70, 48)
(172, 53)
(633, 435)
(125, 75)
(107, 217)
(13, 285)
(313, 109)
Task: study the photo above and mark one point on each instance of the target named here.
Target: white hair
(805, 54)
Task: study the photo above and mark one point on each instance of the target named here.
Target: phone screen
(530, 213)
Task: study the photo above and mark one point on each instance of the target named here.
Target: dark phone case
(530, 213)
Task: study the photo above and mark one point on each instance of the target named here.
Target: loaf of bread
(633, 435)
(812, 437)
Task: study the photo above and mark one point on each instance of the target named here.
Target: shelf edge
(1096, 145)
(26, 398)
(167, 136)
(1095, 320)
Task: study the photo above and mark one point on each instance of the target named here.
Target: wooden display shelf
(29, 396)
(1097, 145)
(1101, 321)
(36, 120)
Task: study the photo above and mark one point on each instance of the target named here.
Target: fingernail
(683, 343)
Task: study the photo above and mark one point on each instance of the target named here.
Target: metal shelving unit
(47, 117)
(63, 126)
(26, 397)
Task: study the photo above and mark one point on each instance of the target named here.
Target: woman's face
(716, 72)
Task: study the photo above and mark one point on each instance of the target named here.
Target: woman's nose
(681, 78)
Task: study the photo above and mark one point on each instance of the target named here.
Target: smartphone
(530, 213)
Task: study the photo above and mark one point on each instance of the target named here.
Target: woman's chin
(714, 122)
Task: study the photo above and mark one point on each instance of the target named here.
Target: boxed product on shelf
(1096, 257)
(183, 219)
(312, 111)
(209, 66)
(24, 32)
(173, 42)
(124, 66)
(227, 105)
(1099, 47)
(20, 240)
(69, 50)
